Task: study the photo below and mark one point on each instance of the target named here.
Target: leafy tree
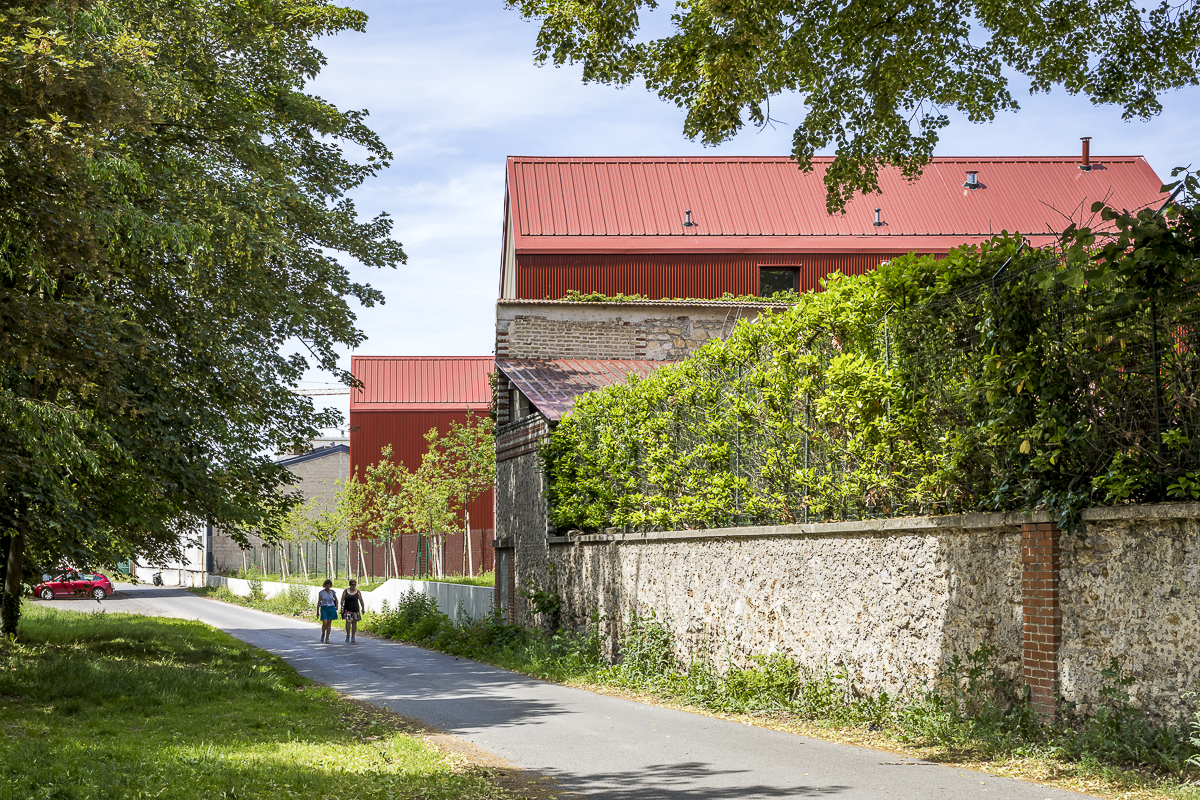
(334, 522)
(455, 469)
(170, 203)
(876, 78)
(465, 460)
(384, 486)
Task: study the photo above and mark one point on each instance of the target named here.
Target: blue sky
(452, 89)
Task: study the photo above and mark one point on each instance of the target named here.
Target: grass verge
(113, 705)
(366, 583)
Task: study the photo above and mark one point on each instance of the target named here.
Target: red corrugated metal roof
(421, 383)
(764, 203)
(553, 385)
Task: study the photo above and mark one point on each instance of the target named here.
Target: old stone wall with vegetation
(891, 601)
(1130, 588)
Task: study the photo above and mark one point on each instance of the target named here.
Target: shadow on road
(689, 780)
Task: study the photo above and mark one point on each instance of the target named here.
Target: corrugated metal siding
(422, 379)
(405, 431)
(552, 385)
(596, 198)
(659, 275)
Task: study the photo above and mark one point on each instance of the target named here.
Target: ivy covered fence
(998, 378)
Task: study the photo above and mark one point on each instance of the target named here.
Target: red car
(74, 584)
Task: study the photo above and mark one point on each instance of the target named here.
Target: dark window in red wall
(664, 275)
(772, 279)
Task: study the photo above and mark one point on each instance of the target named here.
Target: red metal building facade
(402, 398)
(702, 227)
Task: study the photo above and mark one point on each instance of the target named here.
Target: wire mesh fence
(1008, 391)
(409, 556)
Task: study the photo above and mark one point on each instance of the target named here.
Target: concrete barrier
(474, 601)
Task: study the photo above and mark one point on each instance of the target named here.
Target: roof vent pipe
(878, 222)
(972, 181)
(1086, 164)
(687, 222)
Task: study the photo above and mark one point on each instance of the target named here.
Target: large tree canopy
(171, 201)
(876, 76)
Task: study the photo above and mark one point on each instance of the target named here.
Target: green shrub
(917, 388)
(1121, 733)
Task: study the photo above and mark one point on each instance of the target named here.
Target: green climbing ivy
(982, 381)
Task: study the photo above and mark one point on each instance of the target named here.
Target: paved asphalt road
(604, 747)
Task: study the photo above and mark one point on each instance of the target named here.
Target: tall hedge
(979, 381)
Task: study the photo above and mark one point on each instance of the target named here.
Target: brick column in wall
(1042, 617)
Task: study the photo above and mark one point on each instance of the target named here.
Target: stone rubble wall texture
(893, 606)
(672, 339)
(888, 608)
(1131, 590)
(521, 482)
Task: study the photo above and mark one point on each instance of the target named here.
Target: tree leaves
(877, 77)
(172, 223)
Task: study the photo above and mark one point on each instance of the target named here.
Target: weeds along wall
(890, 601)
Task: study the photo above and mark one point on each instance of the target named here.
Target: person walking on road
(327, 603)
(352, 608)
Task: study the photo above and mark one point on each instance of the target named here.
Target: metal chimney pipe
(878, 221)
(1086, 166)
(972, 179)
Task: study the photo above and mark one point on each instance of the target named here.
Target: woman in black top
(352, 608)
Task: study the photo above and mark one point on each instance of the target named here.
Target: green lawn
(116, 706)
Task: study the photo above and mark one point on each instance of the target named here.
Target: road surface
(603, 747)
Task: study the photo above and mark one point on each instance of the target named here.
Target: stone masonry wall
(538, 337)
(889, 606)
(1131, 590)
(892, 600)
(521, 506)
(672, 338)
(650, 330)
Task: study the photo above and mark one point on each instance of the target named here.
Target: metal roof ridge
(427, 358)
(1074, 158)
(312, 455)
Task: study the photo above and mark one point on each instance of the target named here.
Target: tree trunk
(303, 562)
(330, 566)
(470, 559)
(362, 562)
(10, 600)
(392, 550)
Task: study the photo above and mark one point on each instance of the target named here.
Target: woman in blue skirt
(327, 609)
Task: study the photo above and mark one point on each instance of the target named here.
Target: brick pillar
(1042, 618)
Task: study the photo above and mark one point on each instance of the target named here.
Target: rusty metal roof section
(767, 203)
(421, 383)
(553, 385)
